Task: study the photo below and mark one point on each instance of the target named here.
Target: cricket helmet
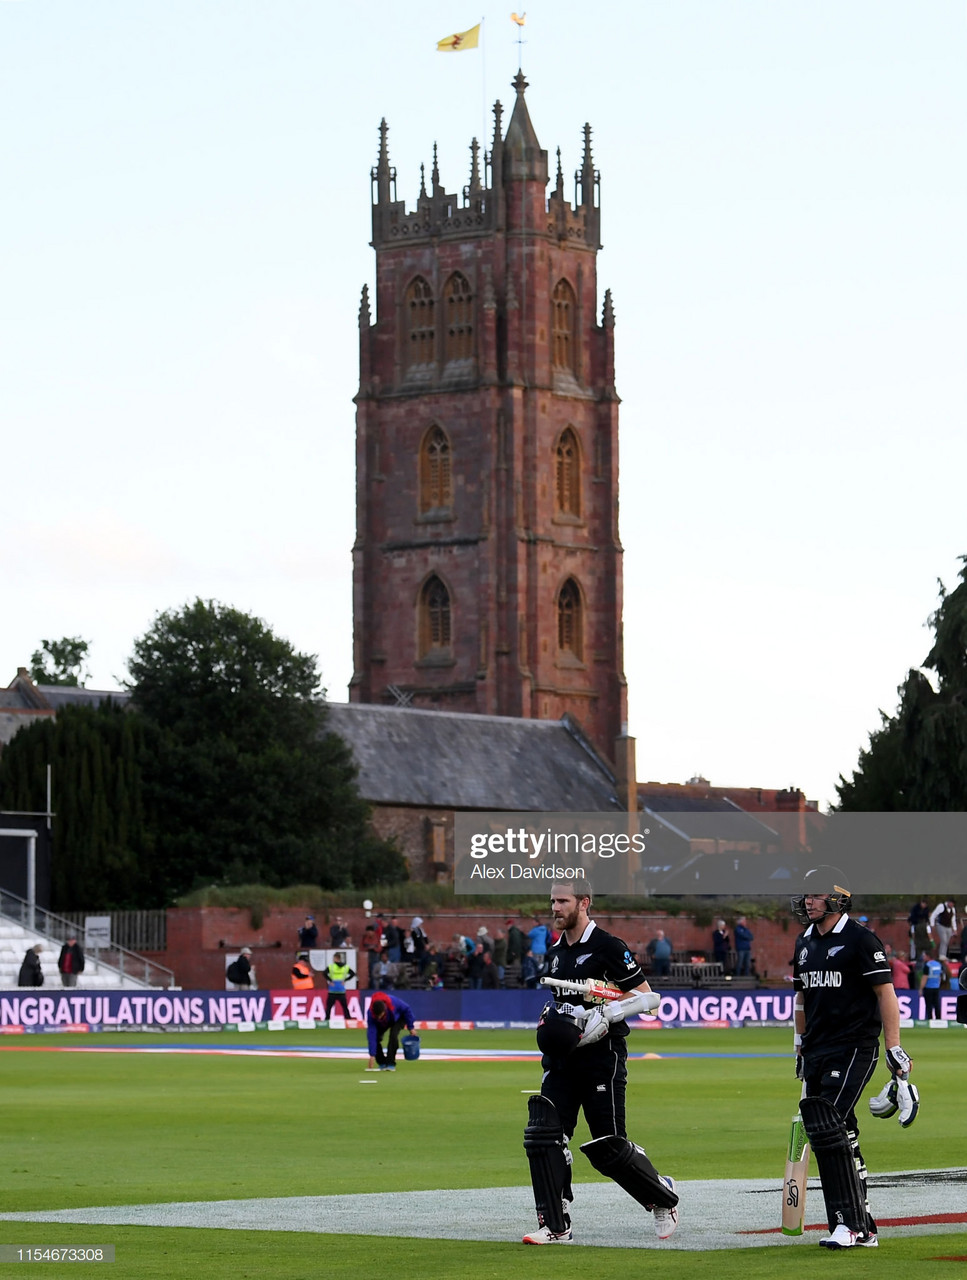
(558, 1033)
(822, 882)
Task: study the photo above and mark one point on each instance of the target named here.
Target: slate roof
(452, 760)
(708, 818)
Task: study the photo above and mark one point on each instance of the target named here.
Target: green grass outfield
(103, 1129)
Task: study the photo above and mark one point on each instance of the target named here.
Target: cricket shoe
(544, 1235)
(844, 1238)
(666, 1220)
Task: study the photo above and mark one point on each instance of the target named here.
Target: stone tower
(487, 572)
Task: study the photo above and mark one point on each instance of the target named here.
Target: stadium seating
(15, 941)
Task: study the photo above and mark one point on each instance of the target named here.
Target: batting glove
(898, 1062)
(885, 1104)
(800, 1069)
(908, 1096)
(596, 1027)
(896, 1096)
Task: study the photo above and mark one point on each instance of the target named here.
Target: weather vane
(519, 18)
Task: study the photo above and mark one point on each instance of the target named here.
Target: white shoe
(544, 1235)
(841, 1238)
(666, 1220)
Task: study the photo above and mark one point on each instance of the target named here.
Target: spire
(587, 176)
(364, 316)
(607, 312)
(382, 172)
(422, 181)
(559, 185)
(435, 175)
(474, 165)
(523, 157)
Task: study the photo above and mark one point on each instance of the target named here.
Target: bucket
(411, 1048)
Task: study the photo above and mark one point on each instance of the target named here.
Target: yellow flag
(462, 40)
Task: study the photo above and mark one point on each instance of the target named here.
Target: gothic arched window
(567, 475)
(434, 621)
(420, 334)
(458, 315)
(436, 483)
(565, 307)
(570, 621)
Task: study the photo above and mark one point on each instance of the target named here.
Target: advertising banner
(196, 1010)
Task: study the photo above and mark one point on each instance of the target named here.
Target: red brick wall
(199, 937)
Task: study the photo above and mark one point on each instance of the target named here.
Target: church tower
(487, 573)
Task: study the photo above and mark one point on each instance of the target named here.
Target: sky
(184, 236)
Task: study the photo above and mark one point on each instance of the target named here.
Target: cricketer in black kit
(584, 1060)
(845, 998)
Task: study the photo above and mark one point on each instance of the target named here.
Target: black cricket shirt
(836, 973)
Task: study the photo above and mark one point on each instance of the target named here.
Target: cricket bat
(589, 988)
(794, 1183)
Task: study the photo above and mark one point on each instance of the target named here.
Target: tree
(917, 759)
(244, 782)
(102, 844)
(60, 661)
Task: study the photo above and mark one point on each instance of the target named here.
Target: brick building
(487, 565)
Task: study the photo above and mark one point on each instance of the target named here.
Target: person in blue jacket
(387, 1013)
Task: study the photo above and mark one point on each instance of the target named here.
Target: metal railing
(57, 929)
(144, 930)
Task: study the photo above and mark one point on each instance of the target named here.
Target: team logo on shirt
(833, 950)
(804, 955)
(581, 959)
(878, 955)
(554, 965)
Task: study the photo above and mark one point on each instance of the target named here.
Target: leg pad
(630, 1168)
(550, 1165)
(844, 1195)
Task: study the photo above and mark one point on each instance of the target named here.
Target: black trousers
(334, 998)
(840, 1076)
(594, 1080)
(388, 1059)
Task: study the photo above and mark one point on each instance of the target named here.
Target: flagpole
(483, 84)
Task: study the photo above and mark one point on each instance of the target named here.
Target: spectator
(420, 943)
(71, 961)
(721, 945)
(433, 968)
(920, 931)
(933, 974)
(943, 921)
(743, 948)
(370, 944)
(540, 939)
(515, 943)
(308, 934)
(302, 979)
(484, 937)
(386, 1013)
(239, 972)
(463, 944)
(489, 977)
(475, 967)
(31, 974)
(660, 953)
(387, 970)
(394, 941)
(500, 954)
(899, 968)
(339, 934)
